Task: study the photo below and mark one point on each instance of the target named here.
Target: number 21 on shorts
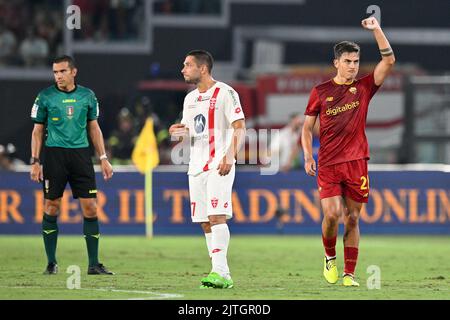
(364, 183)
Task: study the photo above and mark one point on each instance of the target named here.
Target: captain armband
(386, 52)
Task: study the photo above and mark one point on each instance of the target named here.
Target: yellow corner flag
(145, 153)
(145, 157)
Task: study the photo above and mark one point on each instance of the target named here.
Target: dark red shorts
(348, 179)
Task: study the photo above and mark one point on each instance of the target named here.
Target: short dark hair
(345, 46)
(68, 59)
(202, 57)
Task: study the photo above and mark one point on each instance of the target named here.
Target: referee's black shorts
(62, 165)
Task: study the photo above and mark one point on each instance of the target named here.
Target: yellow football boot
(349, 281)
(330, 271)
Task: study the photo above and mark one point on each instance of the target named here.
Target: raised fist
(370, 23)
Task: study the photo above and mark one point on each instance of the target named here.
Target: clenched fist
(370, 23)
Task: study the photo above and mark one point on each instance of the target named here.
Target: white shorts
(210, 194)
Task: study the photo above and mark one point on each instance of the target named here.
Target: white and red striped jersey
(209, 116)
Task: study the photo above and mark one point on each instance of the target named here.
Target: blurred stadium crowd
(29, 34)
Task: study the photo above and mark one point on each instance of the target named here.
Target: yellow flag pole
(148, 204)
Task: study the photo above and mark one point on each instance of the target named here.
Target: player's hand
(310, 167)
(36, 173)
(370, 23)
(178, 130)
(225, 165)
(107, 170)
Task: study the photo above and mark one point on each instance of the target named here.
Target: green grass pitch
(263, 267)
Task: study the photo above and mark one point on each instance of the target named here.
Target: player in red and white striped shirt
(214, 121)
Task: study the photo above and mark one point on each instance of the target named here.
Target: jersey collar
(71, 91)
(343, 84)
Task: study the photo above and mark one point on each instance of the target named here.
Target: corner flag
(145, 157)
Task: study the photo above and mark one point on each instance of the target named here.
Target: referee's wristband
(103, 157)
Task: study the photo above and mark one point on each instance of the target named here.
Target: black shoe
(99, 269)
(52, 268)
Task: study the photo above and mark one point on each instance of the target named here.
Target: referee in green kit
(65, 110)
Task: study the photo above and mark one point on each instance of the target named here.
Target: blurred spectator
(87, 7)
(18, 17)
(34, 50)
(109, 20)
(8, 161)
(285, 148)
(7, 45)
(121, 141)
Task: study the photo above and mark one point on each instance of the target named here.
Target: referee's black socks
(50, 235)
(92, 235)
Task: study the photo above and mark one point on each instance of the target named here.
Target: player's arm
(179, 130)
(96, 135)
(236, 144)
(384, 67)
(307, 139)
(37, 137)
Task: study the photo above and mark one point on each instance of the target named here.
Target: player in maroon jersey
(341, 105)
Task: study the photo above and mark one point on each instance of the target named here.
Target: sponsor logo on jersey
(69, 100)
(214, 202)
(203, 98)
(199, 123)
(345, 107)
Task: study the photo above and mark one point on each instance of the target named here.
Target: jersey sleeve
(233, 108)
(39, 110)
(313, 107)
(368, 82)
(93, 109)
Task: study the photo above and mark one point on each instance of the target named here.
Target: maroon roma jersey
(342, 110)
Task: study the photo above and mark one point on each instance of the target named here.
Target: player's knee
(217, 219)
(206, 226)
(51, 207)
(332, 215)
(352, 219)
(90, 209)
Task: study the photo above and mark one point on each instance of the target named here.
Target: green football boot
(214, 280)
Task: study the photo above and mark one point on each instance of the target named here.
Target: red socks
(330, 246)
(350, 259)
(350, 254)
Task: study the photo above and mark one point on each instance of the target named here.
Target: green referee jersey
(66, 115)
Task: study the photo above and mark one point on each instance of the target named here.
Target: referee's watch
(34, 160)
(103, 157)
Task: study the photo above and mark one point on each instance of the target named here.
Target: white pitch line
(154, 295)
